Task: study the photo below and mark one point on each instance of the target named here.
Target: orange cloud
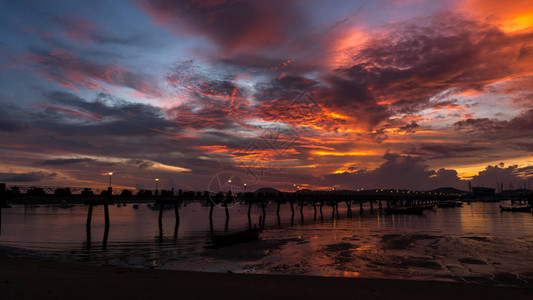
(510, 16)
(350, 153)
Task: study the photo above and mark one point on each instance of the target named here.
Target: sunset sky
(348, 94)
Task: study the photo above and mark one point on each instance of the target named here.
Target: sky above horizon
(407, 94)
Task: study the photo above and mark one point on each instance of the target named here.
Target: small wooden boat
(449, 204)
(405, 210)
(526, 208)
(236, 237)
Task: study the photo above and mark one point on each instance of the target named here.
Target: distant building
(480, 192)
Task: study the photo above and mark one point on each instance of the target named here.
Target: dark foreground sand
(30, 279)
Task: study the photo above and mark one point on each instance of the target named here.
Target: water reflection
(317, 242)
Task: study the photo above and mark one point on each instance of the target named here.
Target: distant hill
(267, 190)
(449, 190)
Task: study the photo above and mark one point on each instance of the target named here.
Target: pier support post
(292, 209)
(263, 207)
(106, 206)
(249, 213)
(88, 236)
(227, 217)
(106, 235)
(177, 212)
(160, 219)
(277, 213)
(106, 229)
(314, 208)
(89, 216)
(106, 213)
(226, 210)
(177, 215)
(349, 208)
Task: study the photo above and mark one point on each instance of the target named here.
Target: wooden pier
(375, 199)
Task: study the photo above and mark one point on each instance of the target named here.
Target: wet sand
(33, 279)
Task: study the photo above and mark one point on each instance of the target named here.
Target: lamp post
(110, 174)
(245, 188)
(156, 186)
(229, 185)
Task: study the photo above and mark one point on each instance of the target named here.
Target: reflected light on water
(473, 240)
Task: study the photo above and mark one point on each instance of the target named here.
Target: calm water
(474, 243)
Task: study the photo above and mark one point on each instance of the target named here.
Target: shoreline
(29, 279)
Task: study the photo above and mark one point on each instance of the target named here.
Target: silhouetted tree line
(257, 196)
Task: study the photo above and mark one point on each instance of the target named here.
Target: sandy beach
(32, 279)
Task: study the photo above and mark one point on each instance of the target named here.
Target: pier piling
(177, 215)
(106, 213)
(89, 216)
(249, 214)
(349, 208)
(106, 235)
(160, 218)
(302, 211)
(292, 209)
(227, 217)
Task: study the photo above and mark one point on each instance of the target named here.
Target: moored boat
(449, 204)
(526, 208)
